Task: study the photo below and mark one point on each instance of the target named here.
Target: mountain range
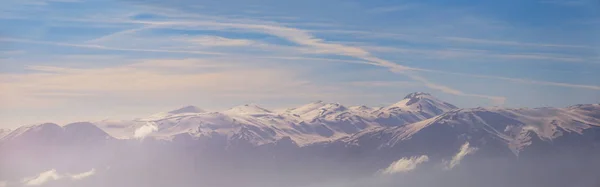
(317, 144)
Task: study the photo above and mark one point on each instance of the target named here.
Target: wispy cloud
(497, 100)
(83, 175)
(42, 178)
(53, 175)
(462, 53)
(511, 43)
(405, 164)
(321, 46)
(118, 34)
(156, 79)
(101, 47)
(301, 37)
(220, 41)
(175, 32)
(518, 80)
(462, 152)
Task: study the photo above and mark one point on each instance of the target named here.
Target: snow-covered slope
(513, 129)
(183, 111)
(413, 108)
(247, 141)
(314, 122)
(4, 132)
(421, 102)
(247, 109)
(48, 134)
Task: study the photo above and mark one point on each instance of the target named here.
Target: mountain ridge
(334, 142)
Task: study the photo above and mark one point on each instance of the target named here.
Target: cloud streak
(308, 43)
(462, 152)
(42, 178)
(102, 47)
(53, 175)
(405, 164)
(320, 46)
(301, 37)
(159, 79)
(517, 80)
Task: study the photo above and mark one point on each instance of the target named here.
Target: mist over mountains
(418, 141)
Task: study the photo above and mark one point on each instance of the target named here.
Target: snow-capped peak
(307, 108)
(187, 109)
(247, 109)
(317, 109)
(422, 102)
(417, 95)
(4, 132)
(360, 108)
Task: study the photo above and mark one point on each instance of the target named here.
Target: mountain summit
(187, 109)
(416, 95)
(414, 107)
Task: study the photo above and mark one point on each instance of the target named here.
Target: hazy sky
(73, 60)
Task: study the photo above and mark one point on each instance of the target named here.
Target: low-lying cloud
(464, 151)
(405, 164)
(42, 178)
(145, 130)
(83, 175)
(53, 175)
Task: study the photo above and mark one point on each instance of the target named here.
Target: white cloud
(405, 164)
(464, 151)
(154, 78)
(3, 184)
(109, 48)
(83, 175)
(52, 175)
(42, 178)
(220, 41)
(314, 45)
(305, 38)
(145, 130)
(301, 37)
(495, 99)
(118, 35)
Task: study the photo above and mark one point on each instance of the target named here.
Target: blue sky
(73, 60)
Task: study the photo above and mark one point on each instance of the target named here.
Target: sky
(86, 60)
